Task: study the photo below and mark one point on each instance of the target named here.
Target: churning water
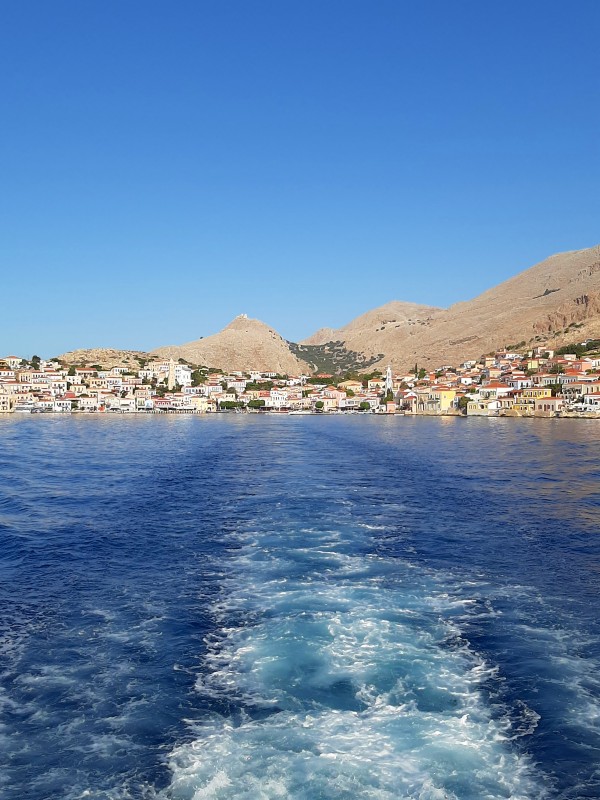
(262, 607)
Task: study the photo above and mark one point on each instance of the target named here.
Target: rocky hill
(106, 357)
(555, 302)
(390, 321)
(245, 344)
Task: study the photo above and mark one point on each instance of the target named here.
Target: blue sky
(165, 166)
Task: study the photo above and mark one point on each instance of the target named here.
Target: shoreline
(367, 414)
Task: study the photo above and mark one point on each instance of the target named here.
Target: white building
(183, 374)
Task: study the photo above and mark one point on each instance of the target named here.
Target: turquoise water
(243, 607)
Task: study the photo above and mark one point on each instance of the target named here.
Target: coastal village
(541, 383)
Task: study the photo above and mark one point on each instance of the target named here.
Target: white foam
(339, 659)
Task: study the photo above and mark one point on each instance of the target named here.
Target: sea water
(256, 607)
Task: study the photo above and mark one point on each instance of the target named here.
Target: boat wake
(337, 673)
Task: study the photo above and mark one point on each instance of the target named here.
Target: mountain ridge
(543, 304)
(538, 303)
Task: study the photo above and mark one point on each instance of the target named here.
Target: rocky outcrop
(105, 357)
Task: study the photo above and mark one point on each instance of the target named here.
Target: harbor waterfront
(539, 382)
(235, 606)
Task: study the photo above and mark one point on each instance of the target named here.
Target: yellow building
(478, 408)
(437, 400)
(523, 406)
(199, 403)
(444, 398)
(354, 386)
(7, 401)
(525, 401)
(534, 392)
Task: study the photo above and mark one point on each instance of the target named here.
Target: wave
(337, 673)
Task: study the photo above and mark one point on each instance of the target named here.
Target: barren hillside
(245, 344)
(105, 357)
(374, 331)
(541, 304)
(554, 302)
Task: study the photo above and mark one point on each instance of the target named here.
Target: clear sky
(165, 166)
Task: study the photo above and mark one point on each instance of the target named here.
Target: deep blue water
(342, 607)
